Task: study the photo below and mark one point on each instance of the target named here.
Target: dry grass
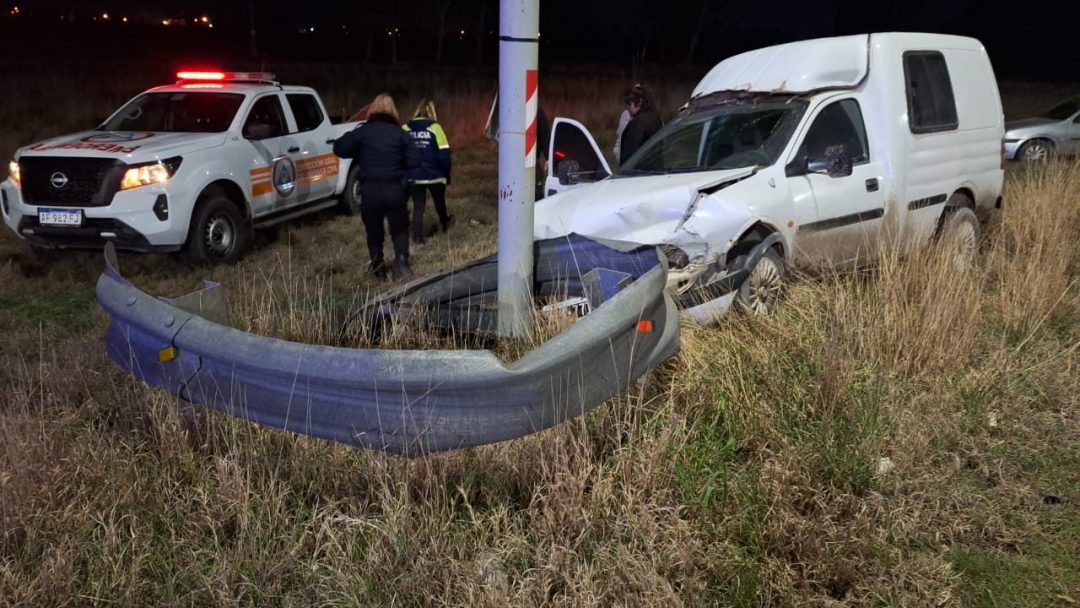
(905, 437)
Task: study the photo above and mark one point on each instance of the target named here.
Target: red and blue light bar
(218, 76)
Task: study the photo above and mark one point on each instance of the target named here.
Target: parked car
(191, 166)
(1055, 131)
(806, 154)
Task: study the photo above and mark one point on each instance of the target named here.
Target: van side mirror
(797, 167)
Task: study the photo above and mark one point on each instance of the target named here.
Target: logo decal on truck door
(284, 176)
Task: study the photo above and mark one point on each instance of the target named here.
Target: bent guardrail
(411, 401)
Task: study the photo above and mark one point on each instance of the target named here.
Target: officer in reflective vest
(433, 174)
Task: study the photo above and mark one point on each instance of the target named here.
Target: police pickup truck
(194, 167)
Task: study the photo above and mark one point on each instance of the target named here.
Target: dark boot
(378, 268)
(401, 267)
(447, 223)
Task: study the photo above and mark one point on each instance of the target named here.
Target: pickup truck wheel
(960, 237)
(350, 198)
(761, 291)
(219, 233)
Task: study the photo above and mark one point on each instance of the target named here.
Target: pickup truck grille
(91, 182)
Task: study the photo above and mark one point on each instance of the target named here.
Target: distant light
(104, 16)
(124, 19)
(211, 26)
(462, 32)
(14, 11)
(205, 19)
(166, 21)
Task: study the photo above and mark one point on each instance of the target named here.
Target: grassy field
(901, 437)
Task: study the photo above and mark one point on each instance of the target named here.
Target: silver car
(1055, 131)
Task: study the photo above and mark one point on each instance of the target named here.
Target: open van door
(574, 157)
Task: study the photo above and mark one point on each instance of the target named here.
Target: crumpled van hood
(648, 209)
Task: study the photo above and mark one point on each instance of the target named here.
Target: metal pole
(519, 35)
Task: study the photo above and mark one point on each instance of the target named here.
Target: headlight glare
(150, 173)
(14, 173)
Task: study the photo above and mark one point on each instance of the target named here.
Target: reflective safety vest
(434, 147)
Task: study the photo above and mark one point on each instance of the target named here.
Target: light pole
(519, 37)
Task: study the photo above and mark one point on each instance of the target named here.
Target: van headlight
(145, 174)
(14, 173)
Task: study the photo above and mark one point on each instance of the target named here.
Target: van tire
(959, 237)
(219, 232)
(350, 196)
(764, 287)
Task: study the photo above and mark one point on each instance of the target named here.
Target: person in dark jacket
(384, 155)
(644, 122)
(433, 174)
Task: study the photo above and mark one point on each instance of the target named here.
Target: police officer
(433, 174)
(384, 155)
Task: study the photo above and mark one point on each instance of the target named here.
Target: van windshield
(178, 112)
(728, 137)
(1063, 110)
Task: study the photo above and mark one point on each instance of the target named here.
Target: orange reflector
(166, 354)
(644, 326)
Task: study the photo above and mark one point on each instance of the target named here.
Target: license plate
(60, 217)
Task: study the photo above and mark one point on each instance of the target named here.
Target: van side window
(839, 124)
(265, 120)
(305, 110)
(931, 105)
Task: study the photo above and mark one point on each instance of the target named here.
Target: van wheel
(219, 233)
(1036, 151)
(350, 198)
(762, 290)
(960, 237)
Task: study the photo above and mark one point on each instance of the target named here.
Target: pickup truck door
(574, 157)
(316, 164)
(274, 154)
(849, 202)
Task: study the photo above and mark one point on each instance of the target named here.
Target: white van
(803, 154)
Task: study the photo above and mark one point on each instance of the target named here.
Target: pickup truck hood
(650, 210)
(129, 146)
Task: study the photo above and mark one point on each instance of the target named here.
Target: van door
(575, 159)
(832, 167)
(316, 164)
(273, 176)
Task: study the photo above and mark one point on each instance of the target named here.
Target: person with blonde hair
(383, 155)
(433, 174)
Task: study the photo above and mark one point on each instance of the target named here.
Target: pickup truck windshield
(727, 137)
(178, 112)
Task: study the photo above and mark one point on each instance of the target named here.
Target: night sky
(1041, 42)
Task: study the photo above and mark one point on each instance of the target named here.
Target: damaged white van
(800, 155)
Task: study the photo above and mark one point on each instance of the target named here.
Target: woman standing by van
(384, 155)
(433, 174)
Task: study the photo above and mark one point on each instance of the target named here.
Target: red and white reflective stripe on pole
(530, 117)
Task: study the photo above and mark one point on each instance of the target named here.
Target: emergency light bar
(214, 76)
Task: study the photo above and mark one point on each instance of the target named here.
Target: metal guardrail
(411, 401)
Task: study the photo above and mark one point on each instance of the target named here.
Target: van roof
(810, 65)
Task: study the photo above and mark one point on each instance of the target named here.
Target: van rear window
(931, 105)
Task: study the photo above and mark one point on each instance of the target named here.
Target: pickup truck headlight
(14, 173)
(157, 172)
